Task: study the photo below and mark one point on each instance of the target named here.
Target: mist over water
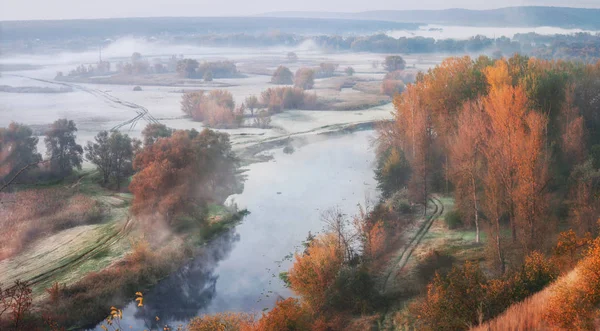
(466, 32)
(285, 197)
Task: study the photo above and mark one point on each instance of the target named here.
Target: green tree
(61, 148)
(98, 153)
(18, 149)
(394, 62)
(282, 76)
(113, 155)
(153, 131)
(252, 103)
(187, 68)
(392, 172)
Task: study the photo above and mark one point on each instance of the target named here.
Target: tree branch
(7, 184)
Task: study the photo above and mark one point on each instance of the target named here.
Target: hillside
(565, 17)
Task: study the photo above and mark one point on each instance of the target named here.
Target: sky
(75, 9)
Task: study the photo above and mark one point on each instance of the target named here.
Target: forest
(516, 143)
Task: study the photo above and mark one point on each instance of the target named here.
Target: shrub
(262, 119)
(137, 88)
(208, 76)
(434, 262)
(353, 290)
(221, 321)
(287, 314)
(349, 71)
(218, 69)
(215, 108)
(277, 99)
(453, 219)
(402, 75)
(288, 149)
(573, 305)
(327, 69)
(292, 57)
(392, 87)
(452, 302)
(305, 78)
(282, 76)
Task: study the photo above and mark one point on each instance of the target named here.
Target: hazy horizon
(72, 9)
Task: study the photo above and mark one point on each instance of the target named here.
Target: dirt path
(397, 263)
(142, 112)
(65, 251)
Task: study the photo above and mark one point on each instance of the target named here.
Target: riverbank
(77, 274)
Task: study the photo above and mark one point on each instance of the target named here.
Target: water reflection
(186, 292)
(286, 196)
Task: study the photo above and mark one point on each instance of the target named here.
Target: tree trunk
(476, 209)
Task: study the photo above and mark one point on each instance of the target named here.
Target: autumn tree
(305, 78)
(16, 303)
(287, 315)
(222, 321)
(216, 108)
(452, 302)
(532, 196)
(467, 161)
(183, 172)
(392, 87)
(18, 149)
(314, 272)
(327, 69)
(282, 76)
(61, 147)
(585, 196)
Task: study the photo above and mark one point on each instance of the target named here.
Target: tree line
(511, 138)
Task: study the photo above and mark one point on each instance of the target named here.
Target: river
(238, 271)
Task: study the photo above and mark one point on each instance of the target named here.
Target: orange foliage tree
(315, 271)
(182, 171)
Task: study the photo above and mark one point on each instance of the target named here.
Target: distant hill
(107, 28)
(533, 16)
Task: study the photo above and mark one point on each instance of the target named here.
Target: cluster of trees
(215, 108)
(503, 134)
(137, 65)
(465, 296)
(277, 99)
(19, 156)
(580, 46)
(181, 171)
(326, 69)
(191, 68)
